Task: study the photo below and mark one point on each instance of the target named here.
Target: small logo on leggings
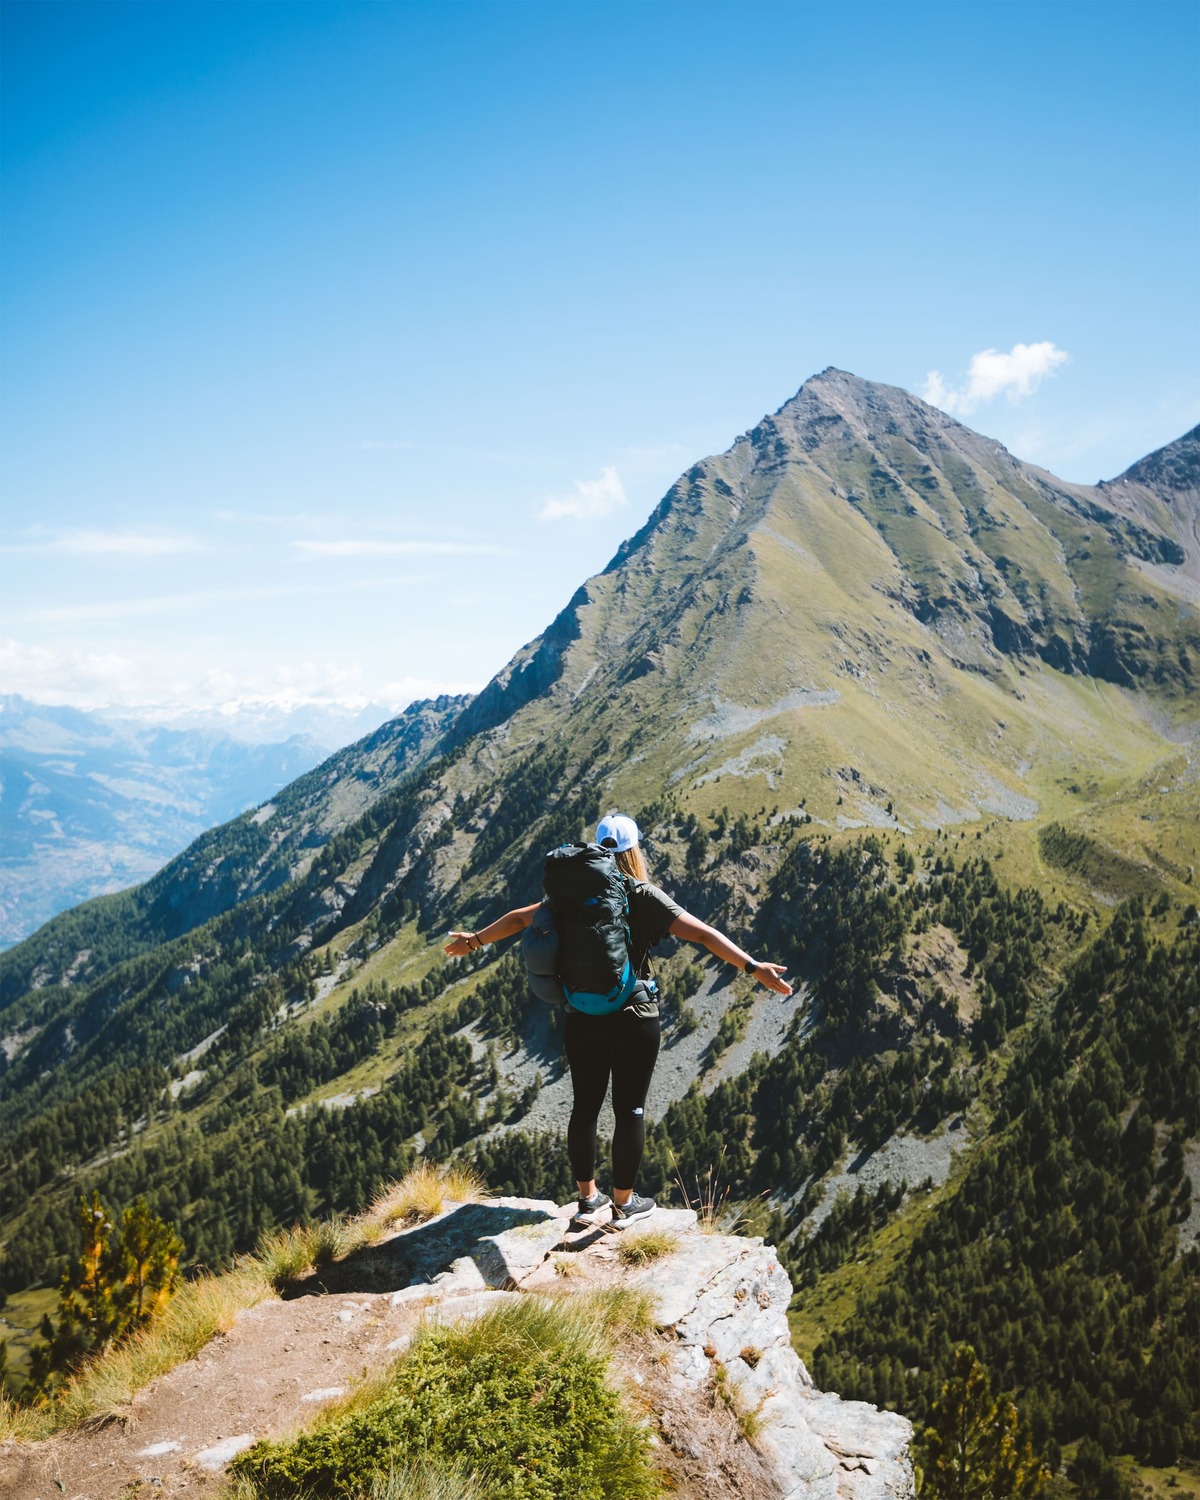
(639, 1110)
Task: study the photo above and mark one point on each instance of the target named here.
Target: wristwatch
(751, 966)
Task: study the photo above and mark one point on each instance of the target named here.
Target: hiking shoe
(637, 1208)
(588, 1208)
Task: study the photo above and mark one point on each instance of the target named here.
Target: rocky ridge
(720, 1305)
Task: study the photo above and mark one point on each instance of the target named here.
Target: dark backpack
(585, 947)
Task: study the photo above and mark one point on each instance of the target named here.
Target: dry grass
(421, 1194)
(23, 1424)
(103, 1390)
(748, 1419)
(650, 1244)
(284, 1256)
(288, 1254)
(715, 1214)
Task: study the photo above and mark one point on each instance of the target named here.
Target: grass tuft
(286, 1255)
(649, 1245)
(331, 1239)
(748, 1419)
(421, 1194)
(715, 1214)
(429, 1481)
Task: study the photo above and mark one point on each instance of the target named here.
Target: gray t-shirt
(651, 912)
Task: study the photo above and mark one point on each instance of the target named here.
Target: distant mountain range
(891, 706)
(260, 721)
(88, 806)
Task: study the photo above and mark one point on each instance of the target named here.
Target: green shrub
(519, 1396)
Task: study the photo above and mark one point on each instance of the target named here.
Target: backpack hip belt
(592, 1004)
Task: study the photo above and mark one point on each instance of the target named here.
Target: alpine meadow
(890, 706)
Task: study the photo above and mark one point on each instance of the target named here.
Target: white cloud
(84, 679)
(368, 547)
(590, 499)
(111, 544)
(1015, 374)
(159, 687)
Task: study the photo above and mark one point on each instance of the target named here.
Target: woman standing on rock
(624, 1044)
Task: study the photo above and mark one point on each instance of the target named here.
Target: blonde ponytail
(631, 862)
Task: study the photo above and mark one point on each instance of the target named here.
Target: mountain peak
(868, 408)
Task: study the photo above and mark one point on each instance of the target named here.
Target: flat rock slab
(220, 1454)
(503, 1240)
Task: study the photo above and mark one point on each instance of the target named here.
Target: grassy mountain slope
(890, 704)
(837, 582)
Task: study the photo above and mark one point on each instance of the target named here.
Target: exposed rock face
(725, 1301)
(721, 1352)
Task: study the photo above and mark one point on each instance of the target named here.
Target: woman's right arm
(512, 921)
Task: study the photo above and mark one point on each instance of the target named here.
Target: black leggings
(625, 1046)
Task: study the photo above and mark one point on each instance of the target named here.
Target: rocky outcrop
(720, 1310)
(721, 1302)
(732, 1411)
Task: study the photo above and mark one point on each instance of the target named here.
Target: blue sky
(341, 342)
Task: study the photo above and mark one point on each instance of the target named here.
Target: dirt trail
(277, 1364)
(268, 1374)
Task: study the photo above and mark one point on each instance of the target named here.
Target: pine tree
(113, 1287)
(87, 1310)
(149, 1257)
(973, 1449)
(87, 1298)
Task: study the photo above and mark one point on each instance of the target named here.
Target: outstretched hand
(458, 944)
(771, 975)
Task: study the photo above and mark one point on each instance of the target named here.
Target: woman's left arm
(690, 930)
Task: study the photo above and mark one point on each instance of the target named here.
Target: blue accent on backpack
(592, 1004)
